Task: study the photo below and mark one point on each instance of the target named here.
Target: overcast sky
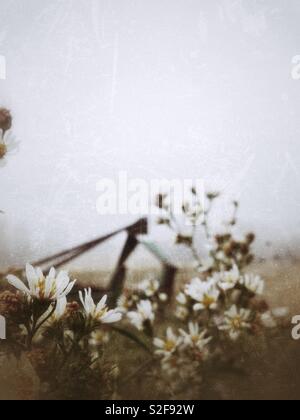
(157, 88)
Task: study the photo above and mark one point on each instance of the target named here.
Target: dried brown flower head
(260, 305)
(250, 238)
(184, 240)
(222, 239)
(72, 307)
(9, 303)
(3, 150)
(5, 119)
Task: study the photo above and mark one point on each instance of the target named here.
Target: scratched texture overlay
(156, 88)
(174, 89)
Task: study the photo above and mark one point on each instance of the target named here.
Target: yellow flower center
(208, 301)
(101, 314)
(237, 323)
(41, 288)
(195, 339)
(3, 150)
(169, 345)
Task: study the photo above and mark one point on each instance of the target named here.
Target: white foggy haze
(157, 88)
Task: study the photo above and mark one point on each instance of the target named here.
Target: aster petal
(111, 316)
(18, 284)
(62, 281)
(61, 307)
(69, 288)
(198, 307)
(102, 303)
(159, 343)
(48, 287)
(32, 277)
(81, 298)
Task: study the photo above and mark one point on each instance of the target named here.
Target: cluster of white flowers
(183, 354)
(226, 298)
(140, 305)
(54, 288)
(218, 310)
(214, 312)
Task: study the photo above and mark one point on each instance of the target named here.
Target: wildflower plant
(68, 336)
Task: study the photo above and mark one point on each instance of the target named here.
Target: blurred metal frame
(135, 233)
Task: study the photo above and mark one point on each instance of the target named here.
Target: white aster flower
(50, 288)
(205, 293)
(195, 338)
(149, 286)
(99, 312)
(253, 283)
(143, 314)
(8, 145)
(227, 280)
(236, 321)
(167, 347)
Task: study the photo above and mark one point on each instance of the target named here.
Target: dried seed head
(245, 249)
(250, 238)
(222, 239)
(212, 195)
(73, 307)
(5, 119)
(228, 249)
(260, 305)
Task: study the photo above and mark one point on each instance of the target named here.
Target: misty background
(157, 88)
